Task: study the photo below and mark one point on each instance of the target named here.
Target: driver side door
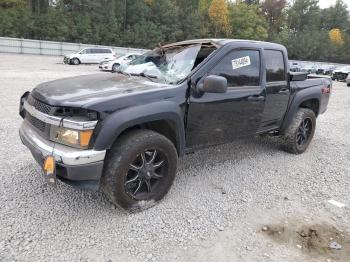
(215, 118)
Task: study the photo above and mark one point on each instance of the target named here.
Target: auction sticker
(241, 62)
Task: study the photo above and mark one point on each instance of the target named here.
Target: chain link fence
(39, 47)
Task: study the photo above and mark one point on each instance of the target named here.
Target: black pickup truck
(124, 131)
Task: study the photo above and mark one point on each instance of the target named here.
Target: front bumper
(66, 60)
(82, 168)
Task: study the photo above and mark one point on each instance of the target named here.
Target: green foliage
(247, 22)
(274, 11)
(304, 15)
(300, 25)
(336, 16)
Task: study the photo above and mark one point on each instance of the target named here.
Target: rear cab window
(240, 68)
(275, 66)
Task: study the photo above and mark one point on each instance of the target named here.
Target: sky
(328, 3)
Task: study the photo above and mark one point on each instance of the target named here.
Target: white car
(89, 55)
(113, 64)
(348, 80)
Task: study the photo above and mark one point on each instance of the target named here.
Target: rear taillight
(326, 89)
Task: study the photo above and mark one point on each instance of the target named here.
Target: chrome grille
(38, 124)
(38, 105)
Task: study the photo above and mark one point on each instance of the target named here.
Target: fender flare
(299, 98)
(123, 119)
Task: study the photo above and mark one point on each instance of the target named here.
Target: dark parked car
(294, 67)
(124, 131)
(341, 74)
(325, 70)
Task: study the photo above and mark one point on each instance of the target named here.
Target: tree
(38, 6)
(14, 18)
(218, 16)
(247, 22)
(203, 6)
(252, 2)
(306, 30)
(304, 14)
(335, 35)
(192, 18)
(273, 11)
(336, 16)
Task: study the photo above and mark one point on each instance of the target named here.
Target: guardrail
(41, 47)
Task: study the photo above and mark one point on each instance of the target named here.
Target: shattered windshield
(166, 64)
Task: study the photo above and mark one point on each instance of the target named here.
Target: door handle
(284, 91)
(256, 98)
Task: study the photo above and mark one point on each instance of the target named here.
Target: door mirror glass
(214, 84)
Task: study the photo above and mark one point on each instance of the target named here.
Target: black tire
(348, 84)
(295, 140)
(115, 67)
(75, 61)
(119, 169)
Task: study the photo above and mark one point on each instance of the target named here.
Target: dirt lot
(245, 201)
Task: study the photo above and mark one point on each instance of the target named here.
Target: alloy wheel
(145, 174)
(304, 131)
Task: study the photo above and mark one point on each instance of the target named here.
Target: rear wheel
(139, 169)
(300, 131)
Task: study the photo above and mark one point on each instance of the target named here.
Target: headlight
(71, 137)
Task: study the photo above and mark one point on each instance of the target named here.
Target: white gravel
(220, 199)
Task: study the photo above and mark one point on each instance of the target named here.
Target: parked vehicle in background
(310, 69)
(124, 132)
(348, 80)
(329, 70)
(114, 64)
(294, 67)
(325, 70)
(341, 74)
(89, 56)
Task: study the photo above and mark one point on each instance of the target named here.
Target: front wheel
(115, 67)
(75, 61)
(300, 131)
(139, 169)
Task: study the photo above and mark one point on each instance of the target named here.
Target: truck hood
(81, 90)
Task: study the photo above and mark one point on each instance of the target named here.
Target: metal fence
(39, 47)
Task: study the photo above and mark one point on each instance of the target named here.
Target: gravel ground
(220, 200)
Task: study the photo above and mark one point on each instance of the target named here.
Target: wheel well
(164, 127)
(76, 58)
(312, 104)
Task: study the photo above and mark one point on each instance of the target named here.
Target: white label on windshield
(241, 62)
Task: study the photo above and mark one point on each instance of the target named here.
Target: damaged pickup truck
(123, 132)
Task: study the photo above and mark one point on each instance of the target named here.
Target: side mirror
(298, 76)
(213, 84)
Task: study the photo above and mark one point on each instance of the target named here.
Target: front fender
(300, 97)
(119, 121)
